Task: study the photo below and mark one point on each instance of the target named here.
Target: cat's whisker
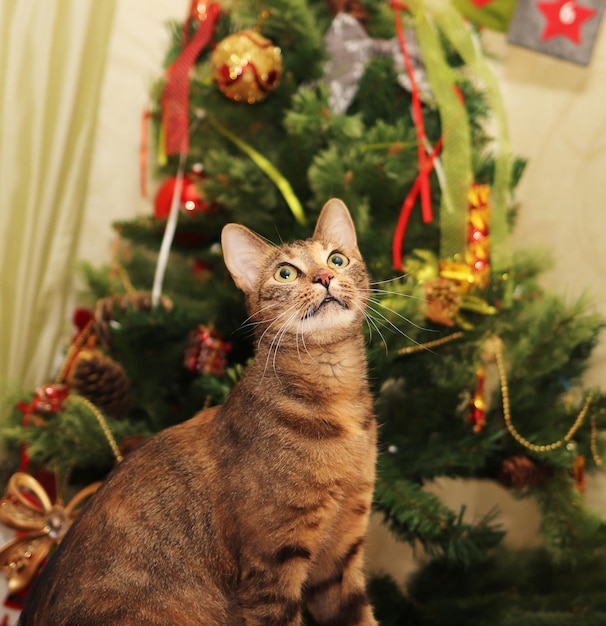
(389, 280)
(309, 354)
(248, 323)
(402, 317)
(272, 322)
(301, 334)
(371, 323)
(251, 326)
(277, 340)
(282, 330)
(389, 323)
(387, 292)
(399, 330)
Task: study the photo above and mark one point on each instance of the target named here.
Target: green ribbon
(456, 152)
(432, 18)
(269, 169)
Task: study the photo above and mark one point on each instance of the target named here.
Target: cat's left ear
(335, 225)
(243, 253)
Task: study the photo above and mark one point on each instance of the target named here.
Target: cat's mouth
(311, 311)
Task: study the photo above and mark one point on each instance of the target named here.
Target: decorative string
(169, 233)
(102, 422)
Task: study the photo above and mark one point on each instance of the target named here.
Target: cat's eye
(338, 261)
(286, 273)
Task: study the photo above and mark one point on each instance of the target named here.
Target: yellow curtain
(52, 59)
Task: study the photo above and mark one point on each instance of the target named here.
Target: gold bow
(26, 507)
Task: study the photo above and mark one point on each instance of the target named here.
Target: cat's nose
(324, 277)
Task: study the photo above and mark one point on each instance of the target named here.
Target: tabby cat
(250, 511)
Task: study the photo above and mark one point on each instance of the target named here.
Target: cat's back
(130, 558)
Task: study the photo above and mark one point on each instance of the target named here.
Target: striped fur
(247, 512)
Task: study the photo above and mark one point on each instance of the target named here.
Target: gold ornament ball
(247, 66)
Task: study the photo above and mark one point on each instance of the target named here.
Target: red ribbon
(175, 98)
(47, 399)
(408, 205)
(421, 185)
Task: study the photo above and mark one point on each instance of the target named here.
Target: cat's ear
(243, 253)
(335, 224)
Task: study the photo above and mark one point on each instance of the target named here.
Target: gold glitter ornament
(247, 66)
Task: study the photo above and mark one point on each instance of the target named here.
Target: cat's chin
(329, 301)
(330, 321)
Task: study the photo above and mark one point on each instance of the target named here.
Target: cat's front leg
(270, 588)
(340, 598)
(335, 592)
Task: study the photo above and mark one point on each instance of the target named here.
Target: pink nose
(323, 277)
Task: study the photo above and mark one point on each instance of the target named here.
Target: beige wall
(557, 118)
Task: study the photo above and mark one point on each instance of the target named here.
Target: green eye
(286, 274)
(338, 261)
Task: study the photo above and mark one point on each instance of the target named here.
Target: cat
(251, 511)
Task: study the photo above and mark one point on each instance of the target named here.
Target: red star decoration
(564, 17)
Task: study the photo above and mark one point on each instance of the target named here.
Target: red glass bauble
(191, 199)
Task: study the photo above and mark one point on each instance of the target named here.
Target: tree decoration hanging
(175, 97)
(40, 526)
(477, 409)
(437, 22)
(107, 308)
(566, 29)
(206, 352)
(350, 48)
(472, 268)
(443, 301)
(247, 66)
(495, 345)
(191, 200)
(578, 472)
(27, 506)
(520, 471)
(102, 380)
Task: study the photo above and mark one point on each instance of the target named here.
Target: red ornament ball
(191, 200)
(247, 66)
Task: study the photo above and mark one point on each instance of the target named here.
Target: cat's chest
(335, 438)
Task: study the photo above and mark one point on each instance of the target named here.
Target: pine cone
(102, 380)
(521, 471)
(104, 311)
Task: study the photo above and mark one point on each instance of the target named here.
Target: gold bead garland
(436, 343)
(498, 355)
(104, 427)
(497, 347)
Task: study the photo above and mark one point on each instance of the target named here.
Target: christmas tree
(262, 114)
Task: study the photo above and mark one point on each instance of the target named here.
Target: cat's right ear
(243, 253)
